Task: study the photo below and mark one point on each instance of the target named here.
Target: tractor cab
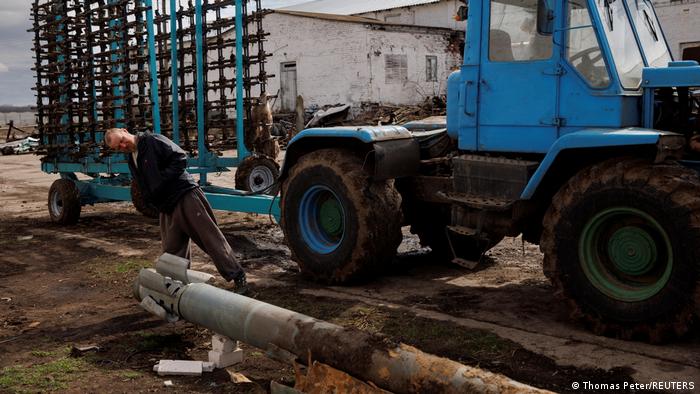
(536, 70)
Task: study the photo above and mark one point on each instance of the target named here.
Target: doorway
(288, 86)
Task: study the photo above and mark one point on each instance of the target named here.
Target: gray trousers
(193, 219)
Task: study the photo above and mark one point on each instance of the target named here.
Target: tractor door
(518, 85)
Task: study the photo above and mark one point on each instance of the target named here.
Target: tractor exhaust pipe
(397, 368)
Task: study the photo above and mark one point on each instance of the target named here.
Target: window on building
(514, 35)
(396, 68)
(691, 53)
(392, 18)
(431, 68)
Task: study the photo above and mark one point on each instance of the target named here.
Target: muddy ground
(66, 286)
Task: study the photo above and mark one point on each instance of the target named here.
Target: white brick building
(679, 19)
(434, 13)
(330, 59)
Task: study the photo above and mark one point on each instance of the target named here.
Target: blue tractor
(569, 123)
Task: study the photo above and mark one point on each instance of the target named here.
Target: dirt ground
(71, 286)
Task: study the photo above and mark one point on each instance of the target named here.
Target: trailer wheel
(258, 174)
(146, 209)
(620, 244)
(64, 202)
(339, 223)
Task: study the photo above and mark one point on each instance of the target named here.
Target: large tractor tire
(621, 245)
(146, 209)
(339, 223)
(258, 174)
(64, 202)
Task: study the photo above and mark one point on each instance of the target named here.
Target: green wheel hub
(331, 217)
(626, 254)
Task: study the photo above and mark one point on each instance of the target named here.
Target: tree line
(13, 108)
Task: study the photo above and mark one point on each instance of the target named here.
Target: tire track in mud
(581, 350)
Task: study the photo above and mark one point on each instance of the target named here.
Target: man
(158, 166)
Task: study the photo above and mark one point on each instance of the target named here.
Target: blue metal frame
(199, 59)
(549, 94)
(593, 139)
(240, 133)
(175, 91)
(114, 187)
(116, 44)
(153, 68)
(366, 134)
(678, 74)
(487, 101)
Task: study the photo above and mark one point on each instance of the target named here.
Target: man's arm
(162, 153)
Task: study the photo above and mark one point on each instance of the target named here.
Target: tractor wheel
(338, 222)
(64, 202)
(620, 244)
(258, 174)
(146, 209)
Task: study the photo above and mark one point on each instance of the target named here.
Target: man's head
(120, 140)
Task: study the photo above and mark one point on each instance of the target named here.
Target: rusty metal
(92, 70)
(388, 365)
(90, 65)
(321, 379)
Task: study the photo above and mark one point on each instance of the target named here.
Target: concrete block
(222, 344)
(208, 367)
(179, 367)
(223, 360)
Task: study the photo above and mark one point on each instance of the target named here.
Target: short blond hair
(111, 132)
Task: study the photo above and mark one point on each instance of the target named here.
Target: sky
(16, 76)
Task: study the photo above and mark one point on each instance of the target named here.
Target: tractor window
(583, 49)
(514, 34)
(623, 45)
(650, 33)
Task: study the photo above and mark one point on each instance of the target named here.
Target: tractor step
(468, 264)
(456, 235)
(462, 230)
(478, 202)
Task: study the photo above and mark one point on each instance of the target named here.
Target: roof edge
(356, 19)
(375, 9)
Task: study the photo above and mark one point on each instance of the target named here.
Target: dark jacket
(160, 173)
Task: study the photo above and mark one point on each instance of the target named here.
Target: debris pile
(379, 114)
(368, 113)
(18, 147)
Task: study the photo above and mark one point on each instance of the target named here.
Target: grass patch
(132, 266)
(42, 353)
(447, 339)
(122, 269)
(51, 376)
(131, 375)
(441, 338)
(63, 351)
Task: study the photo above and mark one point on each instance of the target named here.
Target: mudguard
(396, 153)
(667, 144)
